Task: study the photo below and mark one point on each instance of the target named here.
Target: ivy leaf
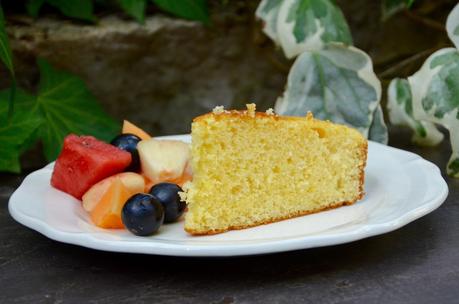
(435, 92)
(68, 107)
(188, 9)
(33, 7)
(452, 26)
(378, 129)
(307, 25)
(392, 7)
(79, 9)
(336, 83)
(400, 107)
(18, 132)
(134, 8)
(268, 11)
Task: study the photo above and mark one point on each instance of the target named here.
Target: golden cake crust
(272, 220)
(245, 115)
(252, 114)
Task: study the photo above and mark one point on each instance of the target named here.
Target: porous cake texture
(252, 168)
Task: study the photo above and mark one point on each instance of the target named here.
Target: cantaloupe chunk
(133, 181)
(107, 213)
(178, 181)
(129, 127)
(148, 184)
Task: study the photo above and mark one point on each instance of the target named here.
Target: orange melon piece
(185, 177)
(129, 127)
(182, 179)
(148, 184)
(107, 213)
(133, 181)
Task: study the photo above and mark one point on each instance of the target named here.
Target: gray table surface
(418, 263)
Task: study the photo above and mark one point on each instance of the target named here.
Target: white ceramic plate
(400, 187)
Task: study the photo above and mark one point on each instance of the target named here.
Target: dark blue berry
(128, 142)
(167, 195)
(142, 214)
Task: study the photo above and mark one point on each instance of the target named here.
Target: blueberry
(128, 142)
(167, 195)
(142, 214)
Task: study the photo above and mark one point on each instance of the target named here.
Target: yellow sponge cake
(252, 168)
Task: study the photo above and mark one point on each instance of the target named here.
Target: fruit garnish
(167, 195)
(128, 142)
(148, 184)
(130, 128)
(164, 160)
(134, 182)
(107, 212)
(84, 161)
(142, 214)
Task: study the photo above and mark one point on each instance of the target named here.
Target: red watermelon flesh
(84, 161)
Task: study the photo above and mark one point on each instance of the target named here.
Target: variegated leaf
(452, 26)
(306, 25)
(400, 109)
(268, 11)
(378, 129)
(335, 83)
(435, 90)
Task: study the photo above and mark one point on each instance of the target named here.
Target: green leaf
(307, 25)
(452, 26)
(435, 92)
(68, 107)
(400, 110)
(188, 9)
(134, 8)
(392, 7)
(7, 58)
(5, 50)
(336, 83)
(79, 9)
(18, 132)
(33, 7)
(268, 11)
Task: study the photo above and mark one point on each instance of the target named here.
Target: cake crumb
(251, 107)
(270, 111)
(218, 110)
(182, 196)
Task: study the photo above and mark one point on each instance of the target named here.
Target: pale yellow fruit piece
(163, 160)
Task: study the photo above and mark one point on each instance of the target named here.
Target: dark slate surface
(418, 263)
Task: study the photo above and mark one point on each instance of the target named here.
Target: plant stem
(393, 69)
(425, 21)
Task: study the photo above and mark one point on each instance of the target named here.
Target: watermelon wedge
(84, 161)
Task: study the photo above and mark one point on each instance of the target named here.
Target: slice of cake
(252, 168)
